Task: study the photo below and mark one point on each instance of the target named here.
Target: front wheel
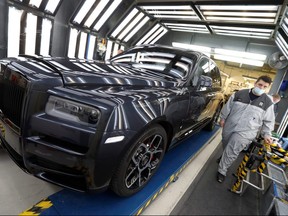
(140, 162)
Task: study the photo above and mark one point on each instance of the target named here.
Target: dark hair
(266, 79)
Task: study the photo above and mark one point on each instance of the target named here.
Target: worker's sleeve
(227, 107)
(268, 122)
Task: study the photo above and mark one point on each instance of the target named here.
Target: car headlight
(72, 111)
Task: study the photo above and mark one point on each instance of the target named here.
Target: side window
(202, 77)
(215, 75)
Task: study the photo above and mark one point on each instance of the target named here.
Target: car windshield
(170, 64)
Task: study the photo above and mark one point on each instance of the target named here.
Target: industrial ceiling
(126, 23)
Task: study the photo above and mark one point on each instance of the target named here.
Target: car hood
(85, 73)
(118, 75)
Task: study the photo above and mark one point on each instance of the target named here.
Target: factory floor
(196, 192)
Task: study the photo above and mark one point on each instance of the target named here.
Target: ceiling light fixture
(99, 8)
(173, 12)
(239, 60)
(164, 31)
(51, 6)
(168, 7)
(190, 30)
(91, 45)
(124, 22)
(247, 19)
(143, 39)
(83, 11)
(282, 44)
(243, 35)
(14, 20)
(131, 25)
(30, 34)
(248, 14)
(204, 49)
(45, 39)
(107, 14)
(108, 50)
(154, 35)
(177, 17)
(145, 20)
(242, 28)
(72, 43)
(35, 3)
(253, 56)
(239, 7)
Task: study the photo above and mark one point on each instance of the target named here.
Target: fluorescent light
(35, 3)
(282, 48)
(115, 49)
(284, 25)
(108, 50)
(83, 11)
(186, 25)
(145, 20)
(172, 12)
(241, 19)
(168, 7)
(154, 35)
(45, 37)
(239, 60)
(107, 14)
(160, 35)
(124, 22)
(248, 14)
(193, 31)
(91, 46)
(191, 28)
(141, 41)
(96, 12)
(14, 21)
(241, 35)
(203, 49)
(82, 45)
(244, 33)
(52, 5)
(130, 26)
(72, 43)
(253, 56)
(31, 28)
(282, 44)
(176, 17)
(242, 28)
(239, 7)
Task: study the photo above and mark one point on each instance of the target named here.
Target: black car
(89, 125)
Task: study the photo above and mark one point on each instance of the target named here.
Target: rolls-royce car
(92, 125)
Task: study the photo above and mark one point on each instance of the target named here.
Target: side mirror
(205, 81)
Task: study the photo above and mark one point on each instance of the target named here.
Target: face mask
(258, 91)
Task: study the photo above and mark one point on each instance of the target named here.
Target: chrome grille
(11, 99)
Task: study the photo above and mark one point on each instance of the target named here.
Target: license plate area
(10, 136)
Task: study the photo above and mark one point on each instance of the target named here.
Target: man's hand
(222, 122)
(268, 139)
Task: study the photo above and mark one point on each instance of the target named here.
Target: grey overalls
(243, 120)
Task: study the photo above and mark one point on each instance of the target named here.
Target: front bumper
(86, 168)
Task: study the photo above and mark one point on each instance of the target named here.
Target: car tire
(211, 125)
(140, 162)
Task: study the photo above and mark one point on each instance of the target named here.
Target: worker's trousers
(234, 143)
